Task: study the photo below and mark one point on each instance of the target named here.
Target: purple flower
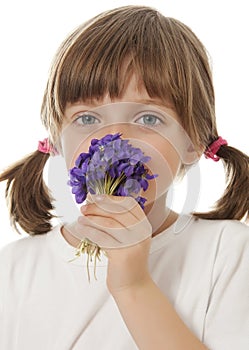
(111, 166)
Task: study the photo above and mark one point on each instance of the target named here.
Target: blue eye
(86, 119)
(149, 119)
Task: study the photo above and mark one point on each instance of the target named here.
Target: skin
(149, 316)
(165, 156)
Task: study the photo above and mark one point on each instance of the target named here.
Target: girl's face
(147, 123)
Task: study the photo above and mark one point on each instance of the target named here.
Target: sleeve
(227, 317)
(5, 267)
(2, 288)
(1, 322)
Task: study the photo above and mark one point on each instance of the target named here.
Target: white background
(31, 31)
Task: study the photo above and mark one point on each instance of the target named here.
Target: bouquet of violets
(111, 166)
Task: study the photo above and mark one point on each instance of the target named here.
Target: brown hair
(172, 64)
(29, 200)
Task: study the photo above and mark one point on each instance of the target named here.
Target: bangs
(98, 59)
(102, 58)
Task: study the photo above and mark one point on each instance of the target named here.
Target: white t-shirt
(47, 303)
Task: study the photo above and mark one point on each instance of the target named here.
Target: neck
(159, 215)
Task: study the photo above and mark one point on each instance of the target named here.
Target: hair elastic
(45, 147)
(213, 148)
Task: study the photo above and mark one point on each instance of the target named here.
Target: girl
(175, 286)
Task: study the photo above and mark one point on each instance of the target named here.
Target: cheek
(169, 156)
(165, 161)
(164, 157)
(73, 143)
(68, 149)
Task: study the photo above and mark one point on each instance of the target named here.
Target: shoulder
(229, 231)
(192, 235)
(227, 318)
(190, 227)
(219, 225)
(18, 250)
(221, 238)
(228, 238)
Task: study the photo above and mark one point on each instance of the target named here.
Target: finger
(121, 203)
(100, 237)
(118, 237)
(107, 241)
(115, 204)
(101, 221)
(108, 218)
(80, 231)
(129, 235)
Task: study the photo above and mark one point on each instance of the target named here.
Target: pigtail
(27, 195)
(234, 204)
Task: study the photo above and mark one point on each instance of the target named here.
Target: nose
(114, 128)
(125, 129)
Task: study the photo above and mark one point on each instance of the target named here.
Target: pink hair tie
(45, 147)
(213, 148)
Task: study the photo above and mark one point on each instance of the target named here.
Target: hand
(120, 227)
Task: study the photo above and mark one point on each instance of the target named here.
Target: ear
(191, 155)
